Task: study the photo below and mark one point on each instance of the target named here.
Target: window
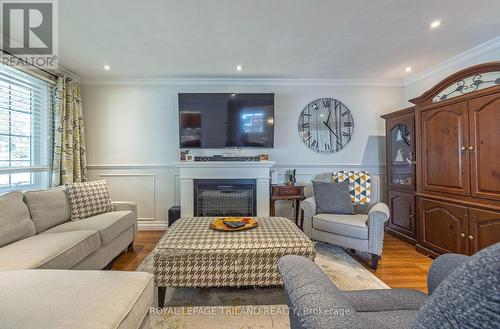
(25, 130)
(253, 121)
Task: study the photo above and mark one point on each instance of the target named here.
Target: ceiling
(316, 39)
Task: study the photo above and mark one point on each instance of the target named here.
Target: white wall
(132, 136)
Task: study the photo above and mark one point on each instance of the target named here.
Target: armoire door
(484, 229)
(484, 121)
(400, 132)
(402, 219)
(445, 154)
(443, 226)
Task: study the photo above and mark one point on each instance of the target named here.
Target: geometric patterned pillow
(88, 199)
(359, 184)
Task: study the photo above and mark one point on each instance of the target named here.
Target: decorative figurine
(290, 177)
(399, 155)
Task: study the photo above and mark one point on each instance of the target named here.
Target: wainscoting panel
(153, 187)
(156, 188)
(141, 188)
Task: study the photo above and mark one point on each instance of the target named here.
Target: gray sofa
(36, 232)
(39, 247)
(463, 293)
(362, 231)
(61, 299)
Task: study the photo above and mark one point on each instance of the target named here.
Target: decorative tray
(220, 223)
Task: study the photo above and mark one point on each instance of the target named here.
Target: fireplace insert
(224, 197)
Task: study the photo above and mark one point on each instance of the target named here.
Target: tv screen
(226, 120)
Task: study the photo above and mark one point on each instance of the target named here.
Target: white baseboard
(151, 225)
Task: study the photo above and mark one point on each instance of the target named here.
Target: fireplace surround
(191, 171)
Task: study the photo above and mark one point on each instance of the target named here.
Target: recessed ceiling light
(435, 24)
(239, 68)
(408, 69)
(107, 67)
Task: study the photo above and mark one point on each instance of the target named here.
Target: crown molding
(67, 73)
(488, 46)
(242, 82)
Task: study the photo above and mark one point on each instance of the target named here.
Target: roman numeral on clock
(326, 103)
(314, 143)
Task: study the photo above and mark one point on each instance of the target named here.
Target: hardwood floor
(144, 243)
(400, 267)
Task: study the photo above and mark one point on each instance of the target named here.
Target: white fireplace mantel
(191, 170)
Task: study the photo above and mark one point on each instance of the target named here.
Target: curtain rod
(52, 75)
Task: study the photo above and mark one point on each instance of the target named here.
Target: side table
(287, 192)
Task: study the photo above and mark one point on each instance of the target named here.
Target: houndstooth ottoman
(191, 254)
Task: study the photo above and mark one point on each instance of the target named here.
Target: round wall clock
(325, 125)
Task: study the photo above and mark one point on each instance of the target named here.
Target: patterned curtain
(69, 156)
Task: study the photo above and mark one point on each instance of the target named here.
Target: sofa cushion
(74, 299)
(109, 225)
(48, 208)
(347, 225)
(88, 199)
(54, 251)
(15, 221)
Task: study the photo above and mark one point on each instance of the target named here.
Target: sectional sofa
(41, 250)
(36, 232)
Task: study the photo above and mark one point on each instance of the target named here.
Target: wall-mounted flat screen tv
(226, 120)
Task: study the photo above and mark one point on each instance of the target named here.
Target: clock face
(325, 125)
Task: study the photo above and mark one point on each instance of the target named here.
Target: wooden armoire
(457, 165)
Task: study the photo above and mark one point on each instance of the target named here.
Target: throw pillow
(88, 199)
(359, 184)
(332, 198)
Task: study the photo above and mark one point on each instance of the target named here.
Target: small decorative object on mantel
(325, 125)
(264, 157)
(290, 177)
(184, 153)
(234, 223)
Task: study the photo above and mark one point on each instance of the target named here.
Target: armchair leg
(375, 258)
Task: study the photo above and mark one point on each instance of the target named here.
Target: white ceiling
(318, 39)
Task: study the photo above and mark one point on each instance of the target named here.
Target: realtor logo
(29, 32)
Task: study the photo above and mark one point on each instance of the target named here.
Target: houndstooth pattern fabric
(191, 254)
(376, 220)
(359, 184)
(88, 199)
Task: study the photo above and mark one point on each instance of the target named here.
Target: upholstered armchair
(362, 231)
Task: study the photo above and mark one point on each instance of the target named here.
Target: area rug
(251, 308)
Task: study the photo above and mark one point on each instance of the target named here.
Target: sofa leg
(161, 296)
(375, 258)
(131, 246)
